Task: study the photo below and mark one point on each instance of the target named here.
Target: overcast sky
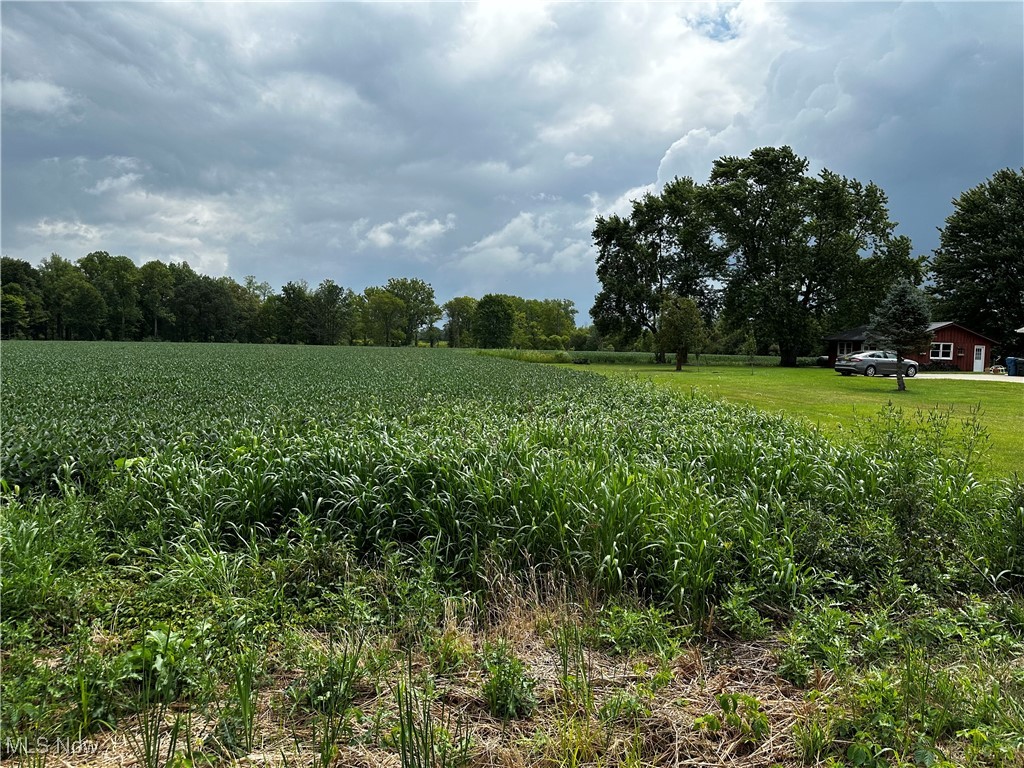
(471, 145)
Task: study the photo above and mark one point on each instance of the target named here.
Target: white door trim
(979, 358)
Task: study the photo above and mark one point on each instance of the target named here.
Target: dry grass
(557, 734)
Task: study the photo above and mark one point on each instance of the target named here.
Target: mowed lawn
(831, 401)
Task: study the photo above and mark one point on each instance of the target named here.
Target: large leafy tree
(548, 323)
(978, 268)
(629, 299)
(21, 302)
(540, 323)
(493, 322)
(297, 302)
(204, 308)
(797, 244)
(60, 282)
(156, 289)
(117, 280)
(696, 260)
(384, 314)
(241, 309)
(663, 248)
(86, 311)
(420, 308)
(459, 312)
(184, 303)
(901, 325)
(76, 307)
(13, 315)
(331, 309)
(873, 276)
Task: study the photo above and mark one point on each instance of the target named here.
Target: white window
(942, 351)
(845, 348)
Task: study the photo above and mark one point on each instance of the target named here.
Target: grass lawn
(829, 400)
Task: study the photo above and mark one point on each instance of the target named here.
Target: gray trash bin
(1013, 367)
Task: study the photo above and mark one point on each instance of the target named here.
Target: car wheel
(911, 371)
(869, 371)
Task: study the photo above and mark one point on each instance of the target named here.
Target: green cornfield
(173, 512)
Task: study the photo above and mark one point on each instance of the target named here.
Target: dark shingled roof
(860, 333)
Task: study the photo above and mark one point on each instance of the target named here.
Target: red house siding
(964, 342)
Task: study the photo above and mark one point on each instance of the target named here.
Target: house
(952, 345)
(845, 343)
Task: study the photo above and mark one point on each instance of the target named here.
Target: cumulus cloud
(870, 101)
(572, 160)
(574, 256)
(128, 217)
(413, 229)
(528, 244)
(693, 153)
(620, 205)
(114, 183)
(420, 231)
(65, 230)
(366, 141)
(494, 35)
(589, 119)
(517, 245)
(36, 96)
(381, 236)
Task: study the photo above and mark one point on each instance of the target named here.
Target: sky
(470, 145)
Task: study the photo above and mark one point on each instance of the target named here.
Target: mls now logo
(45, 746)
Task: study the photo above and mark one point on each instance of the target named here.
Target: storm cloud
(470, 145)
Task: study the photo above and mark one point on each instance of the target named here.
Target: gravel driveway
(972, 377)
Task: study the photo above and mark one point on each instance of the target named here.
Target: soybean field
(364, 556)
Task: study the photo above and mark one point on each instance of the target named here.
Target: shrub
(623, 629)
(507, 688)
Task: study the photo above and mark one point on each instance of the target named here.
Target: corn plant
(325, 487)
(813, 737)
(426, 739)
(575, 670)
(152, 744)
(327, 691)
(236, 731)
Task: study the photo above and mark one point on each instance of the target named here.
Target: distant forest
(104, 297)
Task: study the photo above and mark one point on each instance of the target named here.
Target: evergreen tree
(901, 324)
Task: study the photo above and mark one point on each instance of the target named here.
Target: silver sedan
(873, 362)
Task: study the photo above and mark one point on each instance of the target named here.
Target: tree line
(774, 258)
(108, 297)
(762, 258)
